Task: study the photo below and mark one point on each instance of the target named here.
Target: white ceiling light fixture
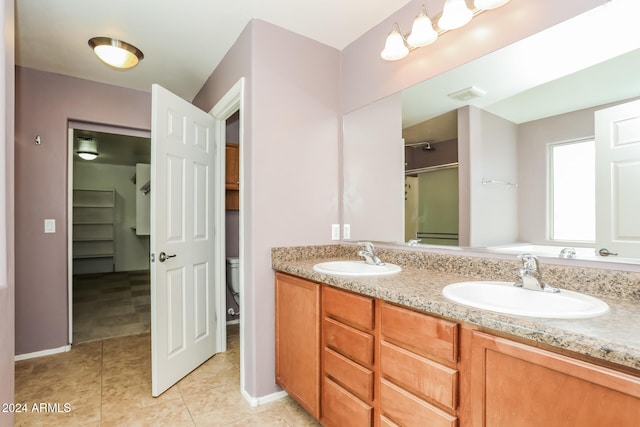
(395, 47)
(87, 148)
(455, 14)
(116, 53)
(422, 32)
(489, 4)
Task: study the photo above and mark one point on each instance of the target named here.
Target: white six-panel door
(618, 179)
(183, 315)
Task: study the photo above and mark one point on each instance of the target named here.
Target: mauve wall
(291, 155)
(44, 104)
(6, 211)
(533, 138)
(375, 148)
(290, 174)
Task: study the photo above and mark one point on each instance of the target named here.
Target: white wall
(131, 251)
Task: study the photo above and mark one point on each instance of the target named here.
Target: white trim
(74, 125)
(41, 353)
(257, 401)
(70, 234)
(231, 102)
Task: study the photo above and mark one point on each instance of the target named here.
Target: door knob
(163, 257)
(606, 252)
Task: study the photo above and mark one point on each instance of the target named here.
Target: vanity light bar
(455, 14)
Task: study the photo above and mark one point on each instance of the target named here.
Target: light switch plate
(346, 231)
(49, 225)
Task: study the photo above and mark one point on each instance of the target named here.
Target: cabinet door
(513, 384)
(232, 167)
(298, 340)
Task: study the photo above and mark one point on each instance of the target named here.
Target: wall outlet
(346, 231)
(335, 231)
(49, 225)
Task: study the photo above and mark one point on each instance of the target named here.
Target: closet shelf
(88, 256)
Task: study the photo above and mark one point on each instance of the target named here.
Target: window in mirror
(572, 191)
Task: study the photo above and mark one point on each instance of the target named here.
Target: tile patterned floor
(108, 383)
(111, 305)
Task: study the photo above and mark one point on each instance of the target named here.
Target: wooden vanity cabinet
(232, 176)
(514, 384)
(418, 375)
(297, 304)
(352, 360)
(348, 341)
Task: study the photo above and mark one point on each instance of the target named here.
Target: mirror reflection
(501, 151)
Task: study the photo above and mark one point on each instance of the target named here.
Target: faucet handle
(367, 245)
(529, 262)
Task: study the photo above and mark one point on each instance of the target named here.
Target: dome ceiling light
(116, 53)
(87, 148)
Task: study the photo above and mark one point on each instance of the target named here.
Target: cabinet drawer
(420, 333)
(426, 378)
(355, 310)
(349, 341)
(408, 410)
(386, 422)
(355, 378)
(342, 409)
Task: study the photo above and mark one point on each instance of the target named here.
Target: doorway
(109, 266)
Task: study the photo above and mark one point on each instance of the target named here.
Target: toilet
(233, 277)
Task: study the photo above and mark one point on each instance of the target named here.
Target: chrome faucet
(369, 254)
(569, 253)
(530, 275)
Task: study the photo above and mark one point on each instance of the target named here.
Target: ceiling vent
(467, 94)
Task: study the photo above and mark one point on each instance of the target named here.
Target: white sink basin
(355, 268)
(504, 297)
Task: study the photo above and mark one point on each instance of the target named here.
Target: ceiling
(182, 41)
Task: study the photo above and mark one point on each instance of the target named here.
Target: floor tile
(108, 383)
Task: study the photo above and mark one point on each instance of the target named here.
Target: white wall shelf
(93, 231)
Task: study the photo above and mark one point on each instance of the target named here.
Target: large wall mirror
(491, 155)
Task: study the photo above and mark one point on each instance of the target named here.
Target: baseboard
(257, 401)
(233, 322)
(41, 353)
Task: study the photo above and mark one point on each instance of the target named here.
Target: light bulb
(454, 15)
(422, 32)
(394, 47)
(489, 4)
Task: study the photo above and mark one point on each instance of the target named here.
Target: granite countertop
(613, 337)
